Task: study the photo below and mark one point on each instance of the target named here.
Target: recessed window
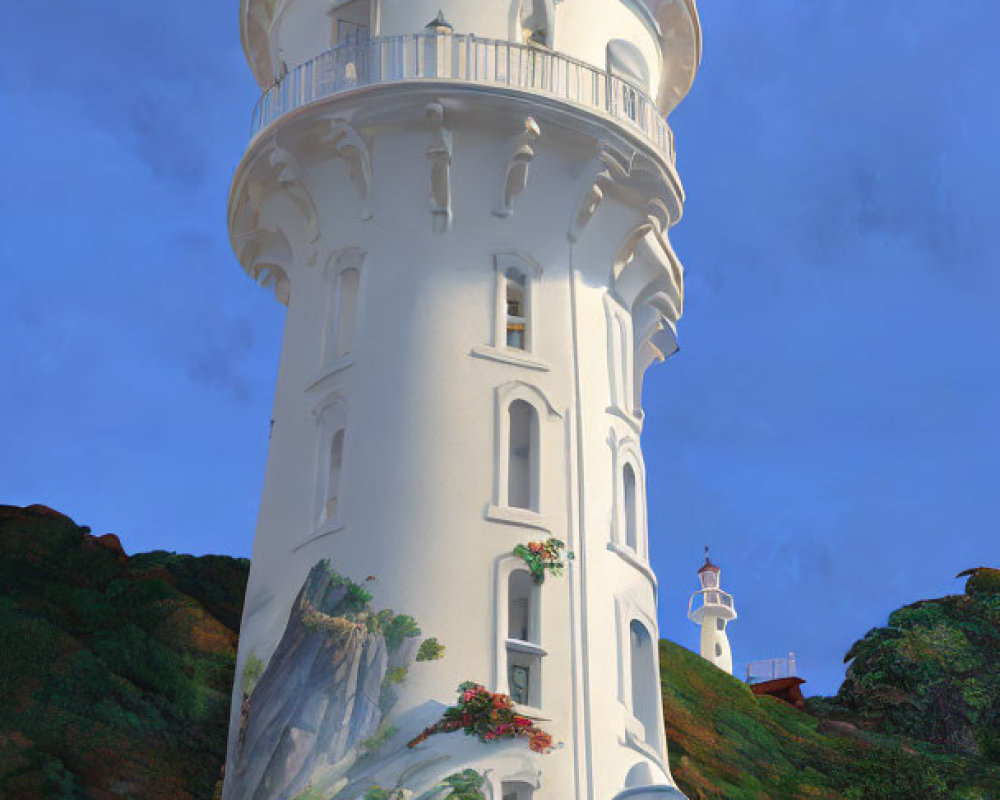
(516, 304)
(522, 456)
(524, 652)
(534, 23)
(645, 689)
(516, 790)
(345, 315)
(620, 357)
(336, 468)
(516, 286)
(631, 509)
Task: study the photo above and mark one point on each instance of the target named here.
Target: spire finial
(439, 24)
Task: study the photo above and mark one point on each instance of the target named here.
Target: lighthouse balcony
(713, 603)
(467, 60)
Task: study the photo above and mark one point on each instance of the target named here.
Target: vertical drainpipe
(581, 556)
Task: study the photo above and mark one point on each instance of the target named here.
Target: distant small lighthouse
(712, 608)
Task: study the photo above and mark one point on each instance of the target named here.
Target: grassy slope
(727, 743)
(114, 672)
(115, 675)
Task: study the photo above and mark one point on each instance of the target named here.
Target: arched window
(533, 22)
(645, 688)
(346, 312)
(631, 508)
(620, 357)
(524, 653)
(332, 454)
(626, 61)
(516, 790)
(522, 456)
(333, 479)
(522, 607)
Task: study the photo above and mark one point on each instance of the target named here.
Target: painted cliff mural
(323, 701)
(318, 721)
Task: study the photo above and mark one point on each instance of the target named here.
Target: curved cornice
(680, 41)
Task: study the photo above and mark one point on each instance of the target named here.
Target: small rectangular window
(516, 312)
(516, 790)
(523, 678)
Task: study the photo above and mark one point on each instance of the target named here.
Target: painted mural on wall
(323, 702)
(317, 722)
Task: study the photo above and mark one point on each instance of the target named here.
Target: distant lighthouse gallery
(465, 207)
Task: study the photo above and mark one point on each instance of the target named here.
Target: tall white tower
(713, 608)
(465, 206)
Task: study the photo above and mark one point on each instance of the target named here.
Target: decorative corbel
(516, 172)
(347, 144)
(439, 155)
(600, 174)
(290, 178)
(265, 256)
(273, 277)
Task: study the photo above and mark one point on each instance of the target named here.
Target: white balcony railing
(770, 669)
(713, 600)
(460, 58)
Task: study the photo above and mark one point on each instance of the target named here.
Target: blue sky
(829, 427)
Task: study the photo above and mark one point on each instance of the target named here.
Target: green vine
(542, 557)
(464, 785)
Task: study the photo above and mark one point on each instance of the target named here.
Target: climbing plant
(464, 785)
(542, 557)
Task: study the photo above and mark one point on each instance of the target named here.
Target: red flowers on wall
(488, 717)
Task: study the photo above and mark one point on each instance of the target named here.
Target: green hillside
(115, 675)
(916, 718)
(115, 672)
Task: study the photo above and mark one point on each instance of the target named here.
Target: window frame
(516, 29)
(621, 360)
(504, 645)
(627, 453)
(499, 508)
(331, 418)
(531, 272)
(497, 349)
(331, 361)
(627, 611)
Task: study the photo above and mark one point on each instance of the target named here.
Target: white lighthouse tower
(465, 206)
(713, 608)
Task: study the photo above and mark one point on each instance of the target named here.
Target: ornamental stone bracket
(439, 154)
(647, 277)
(290, 178)
(346, 143)
(634, 174)
(266, 256)
(274, 166)
(515, 178)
